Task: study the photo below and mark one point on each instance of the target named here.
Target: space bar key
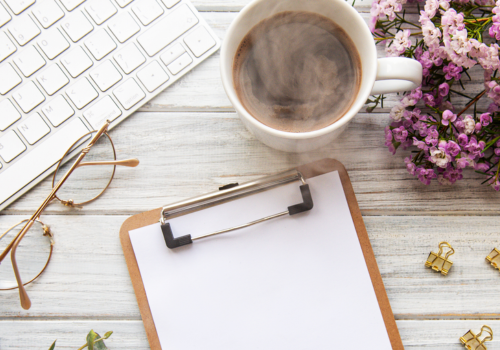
(167, 30)
(26, 169)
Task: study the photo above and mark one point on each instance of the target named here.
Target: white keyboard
(66, 66)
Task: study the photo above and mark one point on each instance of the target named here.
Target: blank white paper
(297, 282)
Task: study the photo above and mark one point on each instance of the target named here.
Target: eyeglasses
(31, 242)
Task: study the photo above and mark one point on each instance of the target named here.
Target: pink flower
(452, 148)
(463, 140)
(391, 147)
(420, 144)
(426, 175)
(429, 100)
(464, 161)
(439, 157)
(410, 166)
(400, 134)
(469, 125)
(431, 7)
(475, 148)
(397, 112)
(444, 89)
(453, 175)
(388, 134)
(460, 43)
(482, 167)
(485, 119)
(448, 116)
(452, 72)
(432, 136)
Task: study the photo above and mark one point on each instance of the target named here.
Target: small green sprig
(94, 341)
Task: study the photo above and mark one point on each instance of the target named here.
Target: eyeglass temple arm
(132, 163)
(23, 296)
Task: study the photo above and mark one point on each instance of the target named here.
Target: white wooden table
(190, 141)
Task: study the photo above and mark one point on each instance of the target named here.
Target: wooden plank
(237, 5)
(429, 335)
(186, 154)
(88, 278)
(202, 90)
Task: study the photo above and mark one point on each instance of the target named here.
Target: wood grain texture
(429, 335)
(190, 141)
(237, 5)
(202, 90)
(88, 278)
(185, 154)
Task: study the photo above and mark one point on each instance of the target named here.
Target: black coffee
(297, 72)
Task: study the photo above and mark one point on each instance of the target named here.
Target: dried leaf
(90, 339)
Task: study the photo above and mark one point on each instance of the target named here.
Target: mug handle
(397, 74)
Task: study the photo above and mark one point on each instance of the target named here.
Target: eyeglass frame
(12, 247)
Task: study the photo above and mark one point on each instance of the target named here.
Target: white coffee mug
(378, 76)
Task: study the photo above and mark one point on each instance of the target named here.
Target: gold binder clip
(439, 263)
(472, 341)
(494, 258)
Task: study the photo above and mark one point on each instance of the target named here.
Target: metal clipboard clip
(472, 341)
(494, 258)
(438, 262)
(231, 192)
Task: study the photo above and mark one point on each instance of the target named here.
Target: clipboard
(308, 171)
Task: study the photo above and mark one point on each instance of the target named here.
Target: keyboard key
(123, 27)
(82, 93)
(129, 94)
(100, 44)
(172, 53)
(199, 41)
(76, 61)
(152, 76)
(8, 114)
(29, 61)
(5, 17)
(180, 63)
(9, 78)
(23, 29)
(168, 29)
(106, 75)
(104, 109)
(7, 47)
(71, 4)
(10, 147)
(129, 58)
(47, 13)
(40, 158)
(147, 11)
(53, 43)
(100, 10)
(18, 6)
(77, 26)
(52, 79)
(28, 96)
(33, 128)
(58, 110)
(170, 3)
(123, 3)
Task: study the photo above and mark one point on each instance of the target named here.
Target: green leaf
(100, 345)
(53, 345)
(90, 339)
(108, 334)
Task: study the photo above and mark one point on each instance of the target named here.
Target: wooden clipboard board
(309, 170)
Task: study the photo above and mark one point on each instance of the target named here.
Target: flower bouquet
(449, 39)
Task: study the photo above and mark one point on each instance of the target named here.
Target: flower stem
(393, 37)
(477, 98)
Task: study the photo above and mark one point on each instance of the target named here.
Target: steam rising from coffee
(297, 72)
